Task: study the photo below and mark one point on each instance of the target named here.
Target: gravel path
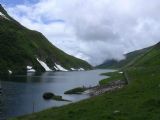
(97, 90)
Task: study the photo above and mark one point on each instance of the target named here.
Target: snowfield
(44, 65)
(10, 72)
(59, 67)
(73, 69)
(1, 14)
(30, 69)
(81, 69)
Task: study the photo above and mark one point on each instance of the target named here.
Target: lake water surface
(24, 95)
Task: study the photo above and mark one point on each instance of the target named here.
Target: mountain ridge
(21, 47)
(130, 59)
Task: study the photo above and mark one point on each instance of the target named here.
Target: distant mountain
(147, 56)
(24, 50)
(150, 58)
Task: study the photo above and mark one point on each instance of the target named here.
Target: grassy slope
(77, 90)
(129, 57)
(113, 76)
(20, 47)
(140, 100)
(149, 59)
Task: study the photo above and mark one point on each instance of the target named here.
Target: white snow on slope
(120, 72)
(59, 67)
(44, 65)
(55, 67)
(1, 14)
(30, 69)
(80, 69)
(73, 69)
(10, 72)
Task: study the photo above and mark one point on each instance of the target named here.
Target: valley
(39, 81)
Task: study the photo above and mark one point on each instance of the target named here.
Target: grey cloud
(95, 30)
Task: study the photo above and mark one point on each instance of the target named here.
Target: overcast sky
(93, 30)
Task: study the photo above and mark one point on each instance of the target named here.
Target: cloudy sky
(94, 30)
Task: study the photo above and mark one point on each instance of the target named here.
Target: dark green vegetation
(77, 90)
(20, 47)
(112, 76)
(52, 96)
(48, 95)
(139, 100)
(150, 58)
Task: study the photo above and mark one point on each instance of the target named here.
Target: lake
(23, 93)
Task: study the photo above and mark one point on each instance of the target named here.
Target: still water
(24, 95)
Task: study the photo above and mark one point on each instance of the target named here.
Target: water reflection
(24, 95)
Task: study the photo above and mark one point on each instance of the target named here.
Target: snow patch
(55, 67)
(10, 72)
(73, 69)
(81, 69)
(59, 67)
(30, 69)
(116, 111)
(1, 14)
(44, 65)
(120, 72)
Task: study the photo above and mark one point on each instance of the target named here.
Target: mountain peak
(25, 50)
(2, 10)
(4, 14)
(157, 45)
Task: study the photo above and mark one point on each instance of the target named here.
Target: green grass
(112, 76)
(52, 96)
(77, 90)
(130, 57)
(140, 100)
(150, 58)
(57, 98)
(145, 57)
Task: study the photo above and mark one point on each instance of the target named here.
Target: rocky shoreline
(111, 86)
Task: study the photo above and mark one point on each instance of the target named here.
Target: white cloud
(94, 30)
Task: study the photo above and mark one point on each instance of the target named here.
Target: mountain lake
(23, 94)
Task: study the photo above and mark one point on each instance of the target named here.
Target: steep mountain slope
(150, 58)
(139, 100)
(22, 49)
(129, 60)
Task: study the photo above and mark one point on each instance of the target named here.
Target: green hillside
(139, 100)
(130, 57)
(145, 58)
(20, 47)
(150, 58)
